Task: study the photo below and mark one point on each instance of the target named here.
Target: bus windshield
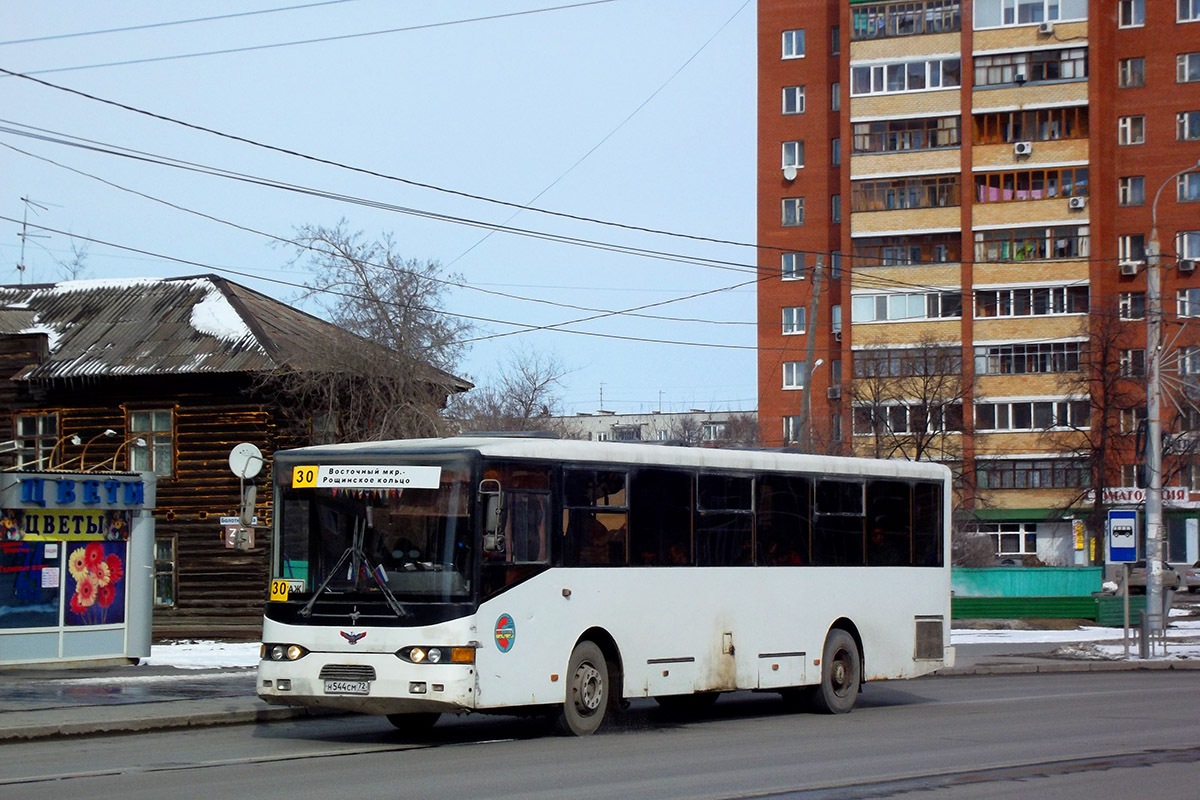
(415, 540)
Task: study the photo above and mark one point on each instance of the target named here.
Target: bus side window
(528, 515)
(838, 530)
(595, 518)
(889, 523)
(782, 520)
(927, 525)
(724, 520)
(660, 517)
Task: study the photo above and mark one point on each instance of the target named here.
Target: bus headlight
(282, 652)
(437, 655)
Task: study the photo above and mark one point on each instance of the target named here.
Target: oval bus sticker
(506, 633)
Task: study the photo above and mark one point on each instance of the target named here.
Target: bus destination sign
(365, 476)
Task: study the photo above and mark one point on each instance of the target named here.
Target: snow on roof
(215, 316)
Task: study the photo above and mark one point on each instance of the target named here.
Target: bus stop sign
(1122, 535)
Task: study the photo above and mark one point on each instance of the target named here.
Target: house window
(1132, 305)
(1187, 302)
(1033, 415)
(835, 210)
(887, 20)
(835, 325)
(1131, 420)
(1188, 187)
(793, 44)
(792, 267)
(905, 76)
(793, 320)
(1187, 67)
(1035, 184)
(1030, 359)
(1187, 124)
(793, 211)
(1189, 10)
(1029, 302)
(1131, 13)
(793, 155)
(890, 136)
(835, 97)
(37, 434)
(1187, 245)
(1131, 190)
(1189, 361)
(1131, 73)
(1036, 66)
(164, 571)
(1131, 247)
(793, 100)
(1031, 244)
(1133, 363)
(1045, 473)
(835, 152)
(793, 375)
(884, 251)
(791, 430)
(156, 430)
(893, 307)
(835, 40)
(1131, 130)
(1012, 538)
(1041, 125)
(1007, 13)
(835, 265)
(713, 431)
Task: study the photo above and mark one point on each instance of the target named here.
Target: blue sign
(1122, 535)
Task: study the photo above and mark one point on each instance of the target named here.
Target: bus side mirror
(493, 515)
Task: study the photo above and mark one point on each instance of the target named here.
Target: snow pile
(203, 655)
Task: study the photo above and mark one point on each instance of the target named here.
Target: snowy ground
(1183, 641)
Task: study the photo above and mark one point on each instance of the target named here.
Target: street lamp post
(1154, 490)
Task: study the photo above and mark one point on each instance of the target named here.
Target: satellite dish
(245, 460)
(789, 173)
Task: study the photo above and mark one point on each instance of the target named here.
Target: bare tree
(389, 375)
(75, 266)
(523, 397)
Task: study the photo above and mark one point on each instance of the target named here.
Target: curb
(1064, 667)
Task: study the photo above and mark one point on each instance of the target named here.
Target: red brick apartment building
(977, 179)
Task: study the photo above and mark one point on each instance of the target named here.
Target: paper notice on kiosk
(49, 577)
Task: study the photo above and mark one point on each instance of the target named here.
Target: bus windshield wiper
(355, 551)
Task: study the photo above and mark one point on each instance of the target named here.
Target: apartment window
(835, 325)
(1031, 301)
(793, 44)
(893, 307)
(1131, 247)
(835, 152)
(793, 320)
(36, 436)
(791, 266)
(888, 251)
(793, 211)
(1187, 124)
(887, 20)
(1043, 125)
(1131, 73)
(835, 265)
(1187, 245)
(793, 155)
(898, 135)
(156, 430)
(1033, 67)
(1131, 305)
(1133, 363)
(1131, 190)
(900, 418)
(1189, 10)
(835, 97)
(1131, 13)
(793, 100)
(1037, 184)
(1029, 359)
(793, 375)
(164, 570)
(1006, 13)
(900, 193)
(1034, 473)
(1187, 67)
(1033, 415)
(791, 430)
(905, 76)
(1187, 302)
(835, 40)
(1011, 538)
(835, 208)
(1189, 361)
(1188, 187)
(1031, 244)
(903, 362)
(1131, 420)
(1131, 130)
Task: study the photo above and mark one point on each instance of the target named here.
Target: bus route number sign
(281, 587)
(365, 476)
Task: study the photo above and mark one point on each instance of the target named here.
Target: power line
(152, 25)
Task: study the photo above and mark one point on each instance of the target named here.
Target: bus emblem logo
(506, 633)
(353, 638)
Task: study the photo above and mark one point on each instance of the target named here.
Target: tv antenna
(25, 235)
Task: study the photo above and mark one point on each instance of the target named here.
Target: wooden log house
(165, 375)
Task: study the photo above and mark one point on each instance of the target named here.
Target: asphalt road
(1092, 735)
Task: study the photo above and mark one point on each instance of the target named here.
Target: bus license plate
(347, 687)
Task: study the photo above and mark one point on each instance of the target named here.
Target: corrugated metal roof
(201, 324)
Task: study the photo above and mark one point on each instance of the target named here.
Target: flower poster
(96, 584)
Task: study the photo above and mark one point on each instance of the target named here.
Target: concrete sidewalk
(94, 700)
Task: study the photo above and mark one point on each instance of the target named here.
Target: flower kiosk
(76, 566)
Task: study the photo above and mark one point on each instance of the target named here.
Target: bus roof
(571, 450)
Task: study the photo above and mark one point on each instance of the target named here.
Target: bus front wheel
(588, 692)
(841, 674)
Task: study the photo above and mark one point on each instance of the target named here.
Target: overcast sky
(637, 112)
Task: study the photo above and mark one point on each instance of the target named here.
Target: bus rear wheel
(414, 723)
(841, 674)
(588, 692)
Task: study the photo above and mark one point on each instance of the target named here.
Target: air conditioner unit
(837, 336)
(1022, 148)
(1046, 28)
(1186, 266)
(833, 392)
(1019, 74)
(1129, 268)
(1077, 203)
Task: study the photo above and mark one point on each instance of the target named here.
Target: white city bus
(413, 578)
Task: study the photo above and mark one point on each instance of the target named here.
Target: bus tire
(841, 674)
(414, 723)
(589, 694)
